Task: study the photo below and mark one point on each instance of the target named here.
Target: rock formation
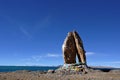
(73, 46)
(80, 48)
(69, 49)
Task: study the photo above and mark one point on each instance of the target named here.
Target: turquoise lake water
(31, 68)
(40, 68)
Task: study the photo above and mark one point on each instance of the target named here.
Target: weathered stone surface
(73, 46)
(69, 49)
(71, 69)
(80, 49)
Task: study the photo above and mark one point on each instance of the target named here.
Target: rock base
(72, 69)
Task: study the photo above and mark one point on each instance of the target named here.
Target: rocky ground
(59, 75)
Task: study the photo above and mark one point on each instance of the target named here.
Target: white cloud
(32, 59)
(45, 22)
(26, 59)
(33, 64)
(114, 62)
(53, 55)
(25, 32)
(36, 58)
(90, 53)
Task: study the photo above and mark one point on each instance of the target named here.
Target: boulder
(50, 71)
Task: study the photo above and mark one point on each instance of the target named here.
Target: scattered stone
(42, 72)
(50, 71)
(114, 71)
(69, 69)
(22, 71)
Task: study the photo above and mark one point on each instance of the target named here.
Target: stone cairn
(72, 47)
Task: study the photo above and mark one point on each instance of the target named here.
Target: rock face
(80, 48)
(69, 49)
(73, 46)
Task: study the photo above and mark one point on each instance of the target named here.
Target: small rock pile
(68, 69)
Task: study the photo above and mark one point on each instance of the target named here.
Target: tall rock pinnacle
(69, 49)
(73, 46)
(80, 49)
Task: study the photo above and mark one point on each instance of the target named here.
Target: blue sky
(32, 31)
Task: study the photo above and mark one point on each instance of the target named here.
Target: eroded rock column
(80, 49)
(73, 46)
(69, 49)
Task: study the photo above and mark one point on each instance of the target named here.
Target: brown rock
(80, 48)
(69, 49)
(73, 46)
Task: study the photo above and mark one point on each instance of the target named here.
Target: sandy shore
(37, 75)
